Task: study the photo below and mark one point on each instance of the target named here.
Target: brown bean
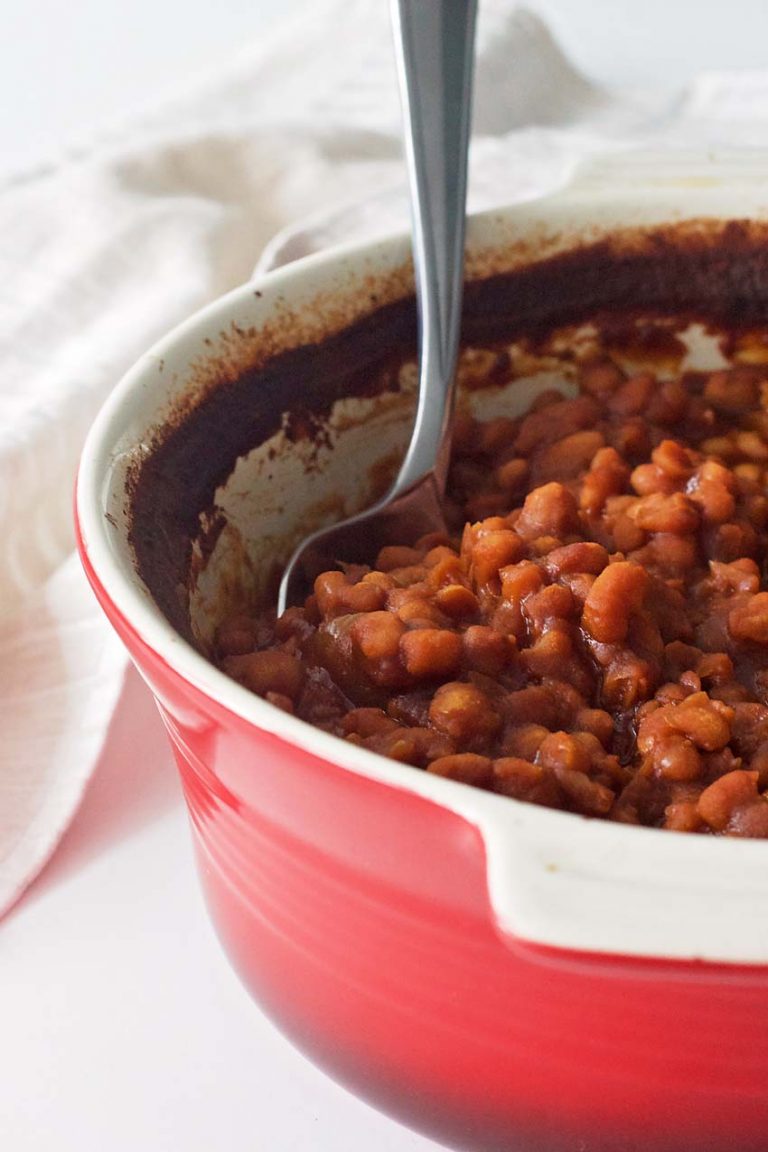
(281, 701)
(397, 556)
(668, 403)
(567, 458)
(628, 680)
(486, 650)
(549, 510)
(674, 459)
(467, 767)
(429, 653)
(512, 474)
(676, 758)
(519, 581)
(493, 435)
(659, 513)
(367, 721)
(720, 800)
(616, 594)
(585, 556)
(549, 655)
(716, 502)
(749, 621)
(561, 750)
(269, 671)
(418, 611)
(649, 479)
(524, 740)
(706, 723)
(598, 722)
(492, 552)
(732, 391)
(555, 422)
(683, 816)
(607, 477)
(601, 378)
(552, 603)
(377, 634)
(456, 601)
(464, 712)
(584, 795)
(450, 569)
(521, 780)
(633, 396)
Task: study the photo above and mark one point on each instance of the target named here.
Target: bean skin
(617, 592)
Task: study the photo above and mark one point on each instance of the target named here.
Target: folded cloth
(61, 673)
(292, 148)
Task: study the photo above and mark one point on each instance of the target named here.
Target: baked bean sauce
(593, 638)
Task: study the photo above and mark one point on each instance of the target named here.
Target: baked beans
(592, 634)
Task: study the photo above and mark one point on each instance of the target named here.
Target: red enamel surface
(358, 916)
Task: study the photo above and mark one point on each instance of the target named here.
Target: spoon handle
(434, 46)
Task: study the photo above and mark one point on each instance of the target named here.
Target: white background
(70, 68)
(122, 1028)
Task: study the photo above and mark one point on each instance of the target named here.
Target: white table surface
(122, 1028)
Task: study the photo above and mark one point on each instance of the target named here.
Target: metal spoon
(434, 41)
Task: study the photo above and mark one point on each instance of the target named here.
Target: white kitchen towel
(295, 146)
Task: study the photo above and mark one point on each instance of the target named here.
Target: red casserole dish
(495, 974)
